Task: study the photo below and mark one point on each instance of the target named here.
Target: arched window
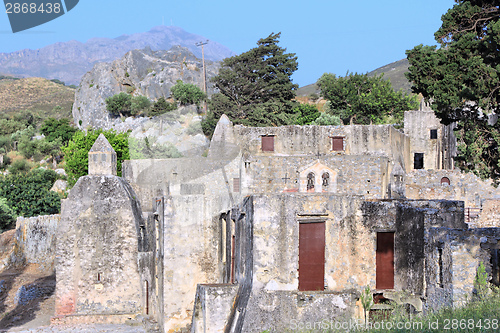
(310, 181)
(445, 181)
(326, 181)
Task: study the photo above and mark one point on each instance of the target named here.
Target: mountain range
(69, 61)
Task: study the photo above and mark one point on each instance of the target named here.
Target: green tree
(306, 114)
(187, 93)
(29, 194)
(364, 99)
(139, 104)
(119, 104)
(77, 150)
(462, 80)
(255, 87)
(54, 129)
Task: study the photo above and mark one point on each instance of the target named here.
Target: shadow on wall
(27, 300)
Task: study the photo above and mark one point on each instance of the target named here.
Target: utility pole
(204, 71)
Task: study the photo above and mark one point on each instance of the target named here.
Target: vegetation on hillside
(462, 80)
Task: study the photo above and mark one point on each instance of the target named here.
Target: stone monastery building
(276, 224)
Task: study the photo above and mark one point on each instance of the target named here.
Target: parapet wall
(426, 184)
(35, 240)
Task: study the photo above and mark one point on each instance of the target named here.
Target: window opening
(310, 181)
(326, 180)
(445, 181)
(418, 161)
(440, 265)
(434, 133)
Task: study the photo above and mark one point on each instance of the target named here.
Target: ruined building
(276, 224)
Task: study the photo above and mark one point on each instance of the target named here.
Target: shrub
(21, 166)
(7, 215)
(138, 104)
(326, 119)
(29, 194)
(54, 129)
(161, 106)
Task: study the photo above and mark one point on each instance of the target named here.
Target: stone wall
(426, 184)
(353, 175)
(452, 259)
(35, 240)
(375, 140)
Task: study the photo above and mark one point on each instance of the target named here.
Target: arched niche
(317, 177)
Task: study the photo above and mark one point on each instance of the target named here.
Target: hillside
(69, 61)
(35, 94)
(393, 71)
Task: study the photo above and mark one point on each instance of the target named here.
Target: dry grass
(36, 94)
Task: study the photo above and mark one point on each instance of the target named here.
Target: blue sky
(327, 35)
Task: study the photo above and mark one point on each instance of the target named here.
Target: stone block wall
(375, 140)
(97, 250)
(426, 184)
(355, 175)
(452, 259)
(35, 240)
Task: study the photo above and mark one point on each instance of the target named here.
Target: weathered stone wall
(450, 279)
(377, 140)
(177, 176)
(97, 249)
(426, 184)
(351, 233)
(489, 216)
(35, 241)
(354, 175)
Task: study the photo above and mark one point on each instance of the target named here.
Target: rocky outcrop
(69, 61)
(139, 72)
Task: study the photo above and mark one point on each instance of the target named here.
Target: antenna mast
(204, 71)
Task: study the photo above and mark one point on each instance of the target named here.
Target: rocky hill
(139, 72)
(69, 61)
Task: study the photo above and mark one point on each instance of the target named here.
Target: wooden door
(385, 260)
(311, 256)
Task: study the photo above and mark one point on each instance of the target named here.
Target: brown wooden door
(385, 260)
(311, 256)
